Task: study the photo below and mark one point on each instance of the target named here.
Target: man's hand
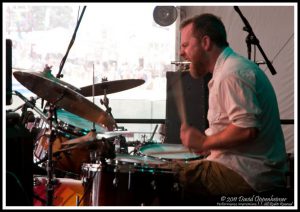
(192, 138)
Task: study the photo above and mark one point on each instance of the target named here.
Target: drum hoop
(125, 168)
(158, 154)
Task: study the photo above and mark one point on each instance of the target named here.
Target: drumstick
(179, 100)
(65, 149)
(88, 137)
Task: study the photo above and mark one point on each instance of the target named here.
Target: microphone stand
(252, 39)
(52, 112)
(59, 75)
(249, 41)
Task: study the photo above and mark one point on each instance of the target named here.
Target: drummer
(244, 137)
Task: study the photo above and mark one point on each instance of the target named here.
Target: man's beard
(197, 70)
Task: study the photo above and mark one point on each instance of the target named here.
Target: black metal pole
(253, 39)
(59, 75)
(51, 182)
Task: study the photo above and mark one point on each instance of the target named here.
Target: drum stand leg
(51, 182)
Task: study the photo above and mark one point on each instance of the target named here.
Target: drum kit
(85, 167)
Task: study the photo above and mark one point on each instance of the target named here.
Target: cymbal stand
(105, 102)
(51, 182)
(93, 91)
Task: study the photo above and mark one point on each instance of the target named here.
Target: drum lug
(176, 187)
(84, 181)
(153, 185)
(115, 182)
(54, 181)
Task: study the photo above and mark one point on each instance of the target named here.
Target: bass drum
(67, 192)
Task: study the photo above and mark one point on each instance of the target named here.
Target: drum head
(168, 151)
(77, 121)
(143, 160)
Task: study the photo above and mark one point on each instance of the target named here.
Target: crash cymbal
(110, 87)
(63, 95)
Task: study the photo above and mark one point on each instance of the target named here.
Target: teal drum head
(76, 121)
(136, 159)
(169, 152)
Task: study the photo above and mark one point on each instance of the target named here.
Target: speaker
(165, 15)
(195, 97)
(8, 72)
(19, 163)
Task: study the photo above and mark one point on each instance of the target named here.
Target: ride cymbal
(108, 87)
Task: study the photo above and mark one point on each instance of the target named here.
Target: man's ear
(206, 43)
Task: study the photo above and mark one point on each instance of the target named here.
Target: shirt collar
(221, 59)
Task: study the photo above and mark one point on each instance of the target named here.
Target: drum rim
(194, 156)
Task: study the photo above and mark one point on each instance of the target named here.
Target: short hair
(210, 25)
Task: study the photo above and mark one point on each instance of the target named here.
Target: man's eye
(184, 45)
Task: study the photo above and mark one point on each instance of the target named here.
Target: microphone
(181, 62)
(30, 104)
(184, 65)
(248, 27)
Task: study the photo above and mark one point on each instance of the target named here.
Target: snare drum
(66, 192)
(129, 181)
(168, 152)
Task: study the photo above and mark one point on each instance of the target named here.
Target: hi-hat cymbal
(110, 87)
(64, 95)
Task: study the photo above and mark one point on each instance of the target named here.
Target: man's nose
(182, 53)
